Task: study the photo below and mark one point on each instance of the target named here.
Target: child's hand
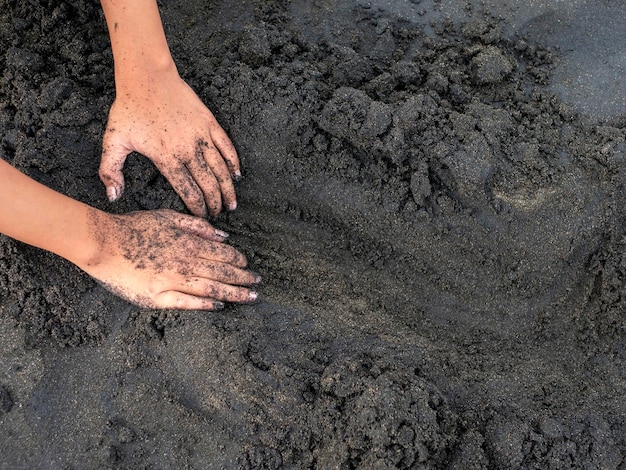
(162, 118)
(163, 259)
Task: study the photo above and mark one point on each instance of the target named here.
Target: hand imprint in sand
(163, 259)
(163, 119)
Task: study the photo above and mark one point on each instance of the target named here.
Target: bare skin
(163, 259)
(155, 259)
(158, 115)
(158, 259)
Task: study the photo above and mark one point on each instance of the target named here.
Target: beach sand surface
(434, 196)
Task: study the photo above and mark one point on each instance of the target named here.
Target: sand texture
(434, 194)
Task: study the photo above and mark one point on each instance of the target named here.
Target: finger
(226, 148)
(114, 154)
(199, 227)
(186, 187)
(220, 171)
(226, 273)
(183, 301)
(206, 179)
(222, 253)
(202, 287)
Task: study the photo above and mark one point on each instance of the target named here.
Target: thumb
(114, 155)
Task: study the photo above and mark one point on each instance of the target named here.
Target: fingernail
(218, 306)
(112, 193)
(253, 296)
(232, 206)
(237, 175)
(257, 279)
(221, 233)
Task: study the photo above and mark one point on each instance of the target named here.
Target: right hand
(164, 259)
(165, 120)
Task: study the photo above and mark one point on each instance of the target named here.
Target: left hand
(162, 118)
(163, 259)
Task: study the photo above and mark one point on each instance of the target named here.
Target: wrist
(35, 214)
(138, 40)
(88, 246)
(132, 73)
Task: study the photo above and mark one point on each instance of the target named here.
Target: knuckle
(226, 273)
(212, 271)
(228, 253)
(196, 205)
(196, 199)
(215, 208)
(212, 291)
(189, 248)
(104, 173)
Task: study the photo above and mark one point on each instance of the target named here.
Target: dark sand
(434, 195)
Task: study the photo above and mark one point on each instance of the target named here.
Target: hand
(163, 259)
(162, 118)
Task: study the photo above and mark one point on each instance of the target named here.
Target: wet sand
(433, 194)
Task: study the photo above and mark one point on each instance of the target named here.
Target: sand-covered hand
(163, 119)
(163, 259)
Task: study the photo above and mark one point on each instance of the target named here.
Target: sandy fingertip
(112, 193)
(221, 234)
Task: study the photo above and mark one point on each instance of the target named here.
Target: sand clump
(441, 238)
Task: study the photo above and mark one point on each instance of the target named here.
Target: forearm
(137, 40)
(39, 216)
